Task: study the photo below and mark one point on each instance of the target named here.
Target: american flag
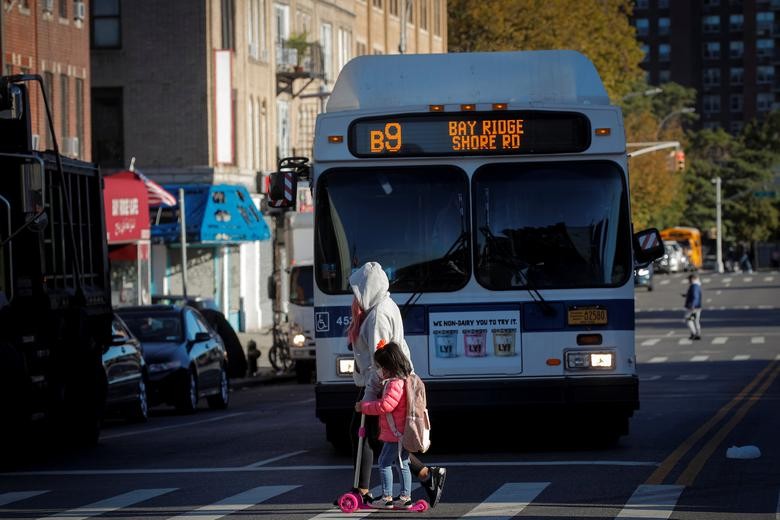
(157, 194)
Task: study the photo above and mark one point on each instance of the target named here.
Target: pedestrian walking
(376, 319)
(392, 367)
(693, 306)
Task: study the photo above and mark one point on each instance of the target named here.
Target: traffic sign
(764, 194)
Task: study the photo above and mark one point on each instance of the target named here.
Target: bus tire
(304, 370)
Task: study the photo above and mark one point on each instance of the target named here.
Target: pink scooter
(352, 501)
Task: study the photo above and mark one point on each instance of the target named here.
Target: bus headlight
(345, 366)
(299, 340)
(584, 360)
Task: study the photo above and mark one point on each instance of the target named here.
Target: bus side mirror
(648, 246)
(284, 186)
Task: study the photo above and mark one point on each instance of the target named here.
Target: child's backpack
(416, 437)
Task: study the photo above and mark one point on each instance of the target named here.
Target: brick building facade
(51, 38)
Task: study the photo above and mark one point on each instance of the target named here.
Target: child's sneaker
(383, 503)
(402, 502)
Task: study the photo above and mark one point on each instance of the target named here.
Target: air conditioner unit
(48, 6)
(253, 50)
(70, 146)
(79, 11)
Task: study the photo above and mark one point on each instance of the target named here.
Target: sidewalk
(265, 372)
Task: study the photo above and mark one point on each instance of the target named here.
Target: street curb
(263, 377)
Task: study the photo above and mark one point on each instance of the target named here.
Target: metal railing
(307, 61)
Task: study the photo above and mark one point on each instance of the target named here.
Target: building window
(711, 77)
(736, 49)
(664, 52)
(736, 22)
(228, 34)
(255, 28)
(736, 126)
(641, 4)
(663, 4)
(107, 123)
(106, 30)
(424, 15)
(642, 26)
(664, 76)
(344, 50)
(48, 84)
(765, 47)
(712, 50)
(765, 73)
(360, 48)
(664, 25)
(326, 40)
(282, 19)
(765, 20)
(764, 101)
(64, 8)
(735, 102)
(711, 104)
(437, 17)
(64, 102)
(711, 24)
(377, 3)
(736, 75)
(645, 52)
(80, 116)
(392, 6)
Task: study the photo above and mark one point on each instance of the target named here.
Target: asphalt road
(266, 456)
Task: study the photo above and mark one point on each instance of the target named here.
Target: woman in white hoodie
(377, 319)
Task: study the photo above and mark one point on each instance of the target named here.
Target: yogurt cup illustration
(504, 342)
(474, 342)
(445, 343)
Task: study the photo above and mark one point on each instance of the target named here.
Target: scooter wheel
(421, 506)
(349, 502)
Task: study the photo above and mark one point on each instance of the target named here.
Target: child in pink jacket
(392, 366)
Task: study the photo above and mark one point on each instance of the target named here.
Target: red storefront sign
(127, 209)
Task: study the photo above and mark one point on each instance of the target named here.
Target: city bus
(492, 188)
(690, 240)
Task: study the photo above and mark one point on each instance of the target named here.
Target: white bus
(493, 189)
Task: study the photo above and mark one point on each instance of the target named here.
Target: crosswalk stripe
(747, 279)
(658, 359)
(652, 501)
(692, 377)
(111, 504)
(508, 500)
(700, 358)
(727, 280)
(769, 278)
(654, 377)
(650, 342)
(235, 503)
(706, 280)
(16, 496)
(756, 340)
(741, 357)
(684, 341)
(720, 340)
(664, 282)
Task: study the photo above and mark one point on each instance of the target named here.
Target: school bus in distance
(690, 239)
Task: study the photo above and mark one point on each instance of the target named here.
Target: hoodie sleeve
(389, 401)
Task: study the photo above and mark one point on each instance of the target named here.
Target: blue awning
(216, 214)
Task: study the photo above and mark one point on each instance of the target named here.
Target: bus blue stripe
(332, 321)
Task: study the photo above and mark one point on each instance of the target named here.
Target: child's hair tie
(381, 344)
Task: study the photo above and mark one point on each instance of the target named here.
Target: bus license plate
(587, 316)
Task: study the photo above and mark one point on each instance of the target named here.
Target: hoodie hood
(369, 284)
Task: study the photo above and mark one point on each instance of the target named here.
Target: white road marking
(777, 510)
(336, 514)
(769, 278)
(235, 503)
(658, 359)
(652, 501)
(757, 340)
(650, 342)
(745, 307)
(692, 377)
(766, 307)
(650, 378)
(777, 357)
(147, 431)
(700, 358)
(684, 341)
(706, 280)
(727, 280)
(111, 504)
(722, 308)
(708, 300)
(747, 279)
(741, 357)
(274, 459)
(720, 340)
(507, 501)
(664, 282)
(16, 496)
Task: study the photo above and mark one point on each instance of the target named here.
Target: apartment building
(728, 50)
(51, 38)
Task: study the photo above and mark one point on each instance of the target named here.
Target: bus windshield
(301, 286)
(414, 221)
(551, 225)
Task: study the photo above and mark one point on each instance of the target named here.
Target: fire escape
(297, 61)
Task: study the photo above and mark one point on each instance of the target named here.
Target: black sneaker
(697, 337)
(435, 484)
(368, 498)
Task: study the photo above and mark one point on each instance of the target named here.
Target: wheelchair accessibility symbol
(322, 322)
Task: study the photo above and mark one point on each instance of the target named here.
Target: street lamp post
(718, 226)
(685, 110)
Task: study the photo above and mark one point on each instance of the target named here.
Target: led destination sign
(488, 133)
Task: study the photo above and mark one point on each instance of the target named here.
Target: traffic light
(679, 160)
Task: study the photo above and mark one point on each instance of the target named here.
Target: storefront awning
(215, 214)
(126, 208)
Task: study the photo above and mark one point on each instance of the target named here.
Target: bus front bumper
(614, 394)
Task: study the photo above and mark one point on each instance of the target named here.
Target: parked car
(674, 259)
(186, 358)
(126, 374)
(198, 302)
(643, 277)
